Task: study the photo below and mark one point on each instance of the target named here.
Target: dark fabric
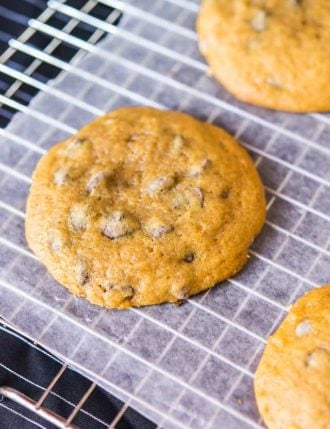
(29, 368)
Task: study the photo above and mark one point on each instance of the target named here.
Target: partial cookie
(144, 206)
(292, 382)
(273, 53)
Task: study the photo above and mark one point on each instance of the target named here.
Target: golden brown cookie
(273, 53)
(144, 206)
(292, 382)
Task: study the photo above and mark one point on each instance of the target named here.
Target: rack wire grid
(184, 367)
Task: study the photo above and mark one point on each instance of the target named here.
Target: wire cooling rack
(185, 367)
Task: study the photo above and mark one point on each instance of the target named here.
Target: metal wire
(38, 57)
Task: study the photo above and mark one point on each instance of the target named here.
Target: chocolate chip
(95, 180)
(82, 273)
(125, 292)
(107, 286)
(318, 358)
(190, 198)
(55, 240)
(128, 291)
(295, 2)
(79, 216)
(180, 290)
(161, 230)
(61, 176)
(258, 22)
(198, 168)
(200, 195)
(77, 142)
(161, 184)
(56, 244)
(157, 227)
(181, 294)
(74, 146)
(224, 195)
(132, 138)
(304, 328)
(119, 224)
(188, 257)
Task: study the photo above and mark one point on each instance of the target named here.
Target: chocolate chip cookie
(273, 53)
(144, 206)
(292, 382)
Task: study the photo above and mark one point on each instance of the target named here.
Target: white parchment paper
(190, 366)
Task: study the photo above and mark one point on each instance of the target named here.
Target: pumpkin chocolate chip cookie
(292, 382)
(273, 53)
(144, 206)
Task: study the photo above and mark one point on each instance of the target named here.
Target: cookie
(292, 382)
(144, 206)
(272, 53)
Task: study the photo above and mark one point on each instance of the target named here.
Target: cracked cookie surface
(292, 382)
(272, 53)
(144, 206)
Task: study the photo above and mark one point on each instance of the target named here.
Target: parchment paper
(189, 366)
